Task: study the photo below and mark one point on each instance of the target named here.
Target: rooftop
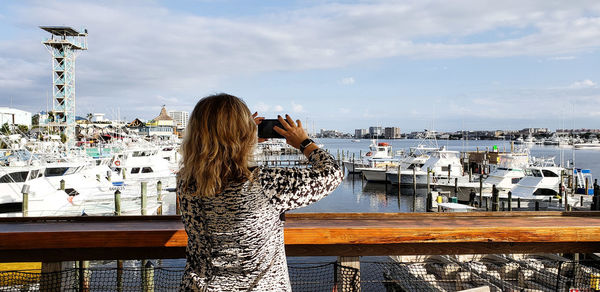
(62, 30)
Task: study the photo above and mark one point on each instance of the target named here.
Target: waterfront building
(360, 133)
(13, 116)
(98, 117)
(375, 131)
(180, 118)
(161, 126)
(392, 133)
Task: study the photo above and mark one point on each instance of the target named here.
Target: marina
(90, 200)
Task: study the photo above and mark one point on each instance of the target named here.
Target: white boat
(510, 170)
(442, 164)
(539, 182)
(594, 144)
(379, 155)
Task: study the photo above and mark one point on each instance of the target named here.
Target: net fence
(518, 275)
(514, 275)
(303, 277)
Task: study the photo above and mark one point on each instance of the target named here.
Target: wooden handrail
(309, 234)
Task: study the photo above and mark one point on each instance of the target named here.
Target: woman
(232, 213)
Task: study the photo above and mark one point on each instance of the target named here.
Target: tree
(35, 120)
(5, 129)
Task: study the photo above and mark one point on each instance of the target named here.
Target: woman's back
(236, 237)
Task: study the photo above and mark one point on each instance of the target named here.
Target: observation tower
(64, 45)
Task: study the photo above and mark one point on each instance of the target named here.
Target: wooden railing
(52, 239)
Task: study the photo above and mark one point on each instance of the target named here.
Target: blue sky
(451, 65)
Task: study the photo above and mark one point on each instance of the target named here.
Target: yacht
(379, 155)
(415, 160)
(539, 182)
(510, 170)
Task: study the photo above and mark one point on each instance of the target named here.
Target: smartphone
(265, 128)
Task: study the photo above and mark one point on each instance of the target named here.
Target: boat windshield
(536, 172)
(548, 173)
(19, 176)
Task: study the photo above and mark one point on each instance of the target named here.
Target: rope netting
(521, 275)
(514, 275)
(303, 277)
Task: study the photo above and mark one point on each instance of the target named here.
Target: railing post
(509, 201)
(143, 201)
(25, 204)
(51, 278)
(537, 205)
(84, 279)
(346, 280)
(147, 276)
(62, 184)
(159, 197)
(519, 202)
(124, 172)
(108, 175)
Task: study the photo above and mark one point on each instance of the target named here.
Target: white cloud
(139, 49)
(261, 107)
(563, 58)
(347, 81)
(297, 108)
(277, 108)
(583, 84)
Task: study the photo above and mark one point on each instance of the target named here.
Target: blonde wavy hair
(218, 144)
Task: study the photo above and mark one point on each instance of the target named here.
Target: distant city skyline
(344, 65)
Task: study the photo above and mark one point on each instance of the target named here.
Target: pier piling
(399, 186)
(124, 172)
(108, 175)
(495, 199)
(118, 203)
(509, 201)
(537, 205)
(119, 262)
(480, 189)
(456, 187)
(144, 198)
(429, 202)
(518, 203)
(159, 197)
(25, 205)
(414, 177)
(428, 179)
(62, 184)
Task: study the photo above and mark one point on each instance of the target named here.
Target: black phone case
(265, 128)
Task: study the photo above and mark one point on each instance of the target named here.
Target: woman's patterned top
(235, 238)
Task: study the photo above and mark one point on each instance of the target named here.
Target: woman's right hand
(292, 131)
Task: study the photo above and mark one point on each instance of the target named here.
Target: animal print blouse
(235, 239)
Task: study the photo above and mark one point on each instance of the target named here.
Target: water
(355, 195)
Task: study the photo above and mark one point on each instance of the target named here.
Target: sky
(443, 65)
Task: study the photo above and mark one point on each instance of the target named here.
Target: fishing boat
(378, 156)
